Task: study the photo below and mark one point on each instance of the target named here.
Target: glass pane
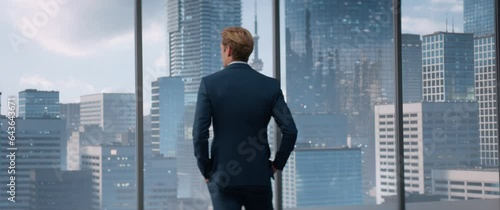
(174, 64)
(74, 123)
(338, 66)
(450, 108)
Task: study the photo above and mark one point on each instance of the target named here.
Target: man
(239, 102)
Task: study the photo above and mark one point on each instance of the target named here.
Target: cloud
(459, 8)
(72, 83)
(35, 81)
(161, 61)
(108, 90)
(421, 26)
(444, 6)
(84, 28)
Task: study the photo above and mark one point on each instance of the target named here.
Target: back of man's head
(240, 41)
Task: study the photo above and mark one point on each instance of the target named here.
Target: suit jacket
(239, 102)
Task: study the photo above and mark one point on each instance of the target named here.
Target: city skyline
(79, 62)
(339, 85)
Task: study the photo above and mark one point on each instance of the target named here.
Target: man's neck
(236, 62)
(233, 62)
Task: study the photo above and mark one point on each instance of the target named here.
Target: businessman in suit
(239, 102)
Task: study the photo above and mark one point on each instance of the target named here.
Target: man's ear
(229, 51)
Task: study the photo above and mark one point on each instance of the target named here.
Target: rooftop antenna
(446, 24)
(453, 24)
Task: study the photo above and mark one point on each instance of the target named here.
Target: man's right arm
(284, 119)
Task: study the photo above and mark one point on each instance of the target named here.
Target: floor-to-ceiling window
(68, 105)
(449, 103)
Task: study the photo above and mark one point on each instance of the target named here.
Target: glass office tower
(35, 103)
(193, 32)
(486, 84)
(478, 17)
(339, 58)
(323, 177)
(411, 54)
(448, 66)
(167, 112)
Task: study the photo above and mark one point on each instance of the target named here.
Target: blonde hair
(240, 40)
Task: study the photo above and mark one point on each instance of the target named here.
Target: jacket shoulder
(214, 75)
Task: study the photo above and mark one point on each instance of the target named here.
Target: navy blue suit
(239, 102)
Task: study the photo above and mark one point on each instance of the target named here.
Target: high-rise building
(167, 115)
(91, 135)
(322, 177)
(35, 103)
(339, 58)
(479, 17)
(71, 114)
(53, 189)
(256, 62)
(437, 135)
(114, 178)
(193, 31)
(324, 130)
(486, 84)
(466, 184)
(38, 146)
(411, 54)
(160, 183)
(448, 66)
(114, 112)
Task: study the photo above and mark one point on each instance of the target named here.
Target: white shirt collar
(237, 62)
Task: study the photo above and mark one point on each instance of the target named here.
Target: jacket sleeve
(202, 121)
(284, 119)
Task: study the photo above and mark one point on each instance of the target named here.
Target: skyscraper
(479, 17)
(114, 112)
(70, 112)
(340, 61)
(411, 54)
(38, 143)
(327, 130)
(193, 31)
(53, 189)
(35, 103)
(448, 66)
(339, 58)
(486, 84)
(90, 135)
(167, 115)
(437, 135)
(322, 177)
(113, 175)
(114, 178)
(256, 62)
(160, 183)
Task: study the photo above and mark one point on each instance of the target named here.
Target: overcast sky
(86, 46)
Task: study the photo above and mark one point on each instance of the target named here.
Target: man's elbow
(293, 131)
